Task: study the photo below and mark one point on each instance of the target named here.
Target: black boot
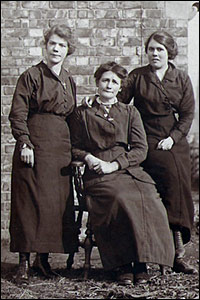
(22, 276)
(124, 274)
(180, 265)
(42, 266)
(140, 273)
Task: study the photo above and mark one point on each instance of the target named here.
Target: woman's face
(57, 49)
(157, 55)
(108, 86)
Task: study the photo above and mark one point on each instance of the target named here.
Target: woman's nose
(55, 47)
(109, 85)
(155, 52)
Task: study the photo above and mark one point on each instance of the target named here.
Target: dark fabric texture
(42, 216)
(128, 217)
(167, 109)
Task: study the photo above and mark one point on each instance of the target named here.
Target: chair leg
(88, 244)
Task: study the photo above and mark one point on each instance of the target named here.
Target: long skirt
(129, 222)
(42, 216)
(171, 170)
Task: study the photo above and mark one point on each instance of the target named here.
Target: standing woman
(164, 97)
(42, 218)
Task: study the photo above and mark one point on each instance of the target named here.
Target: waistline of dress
(47, 114)
(158, 116)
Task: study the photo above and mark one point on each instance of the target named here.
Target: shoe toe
(22, 277)
(44, 269)
(141, 278)
(125, 279)
(39, 268)
(181, 266)
(124, 275)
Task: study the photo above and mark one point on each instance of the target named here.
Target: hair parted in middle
(112, 66)
(164, 38)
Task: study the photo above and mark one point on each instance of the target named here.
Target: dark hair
(166, 40)
(120, 71)
(62, 31)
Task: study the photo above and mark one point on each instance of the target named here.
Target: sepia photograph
(100, 150)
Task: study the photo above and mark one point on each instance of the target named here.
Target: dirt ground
(100, 285)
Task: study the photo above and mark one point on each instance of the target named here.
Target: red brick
(8, 80)
(102, 23)
(102, 4)
(9, 149)
(82, 4)
(62, 4)
(36, 4)
(126, 23)
(129, 4)
(108, 51)
(9, 4)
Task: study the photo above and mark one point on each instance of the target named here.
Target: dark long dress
(167, 109)
(42, 218)
(127, 215)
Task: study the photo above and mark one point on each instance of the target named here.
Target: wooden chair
(84, 201)
(80, 208)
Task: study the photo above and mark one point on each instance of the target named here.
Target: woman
(164, 97)
(42, 219)
(128, 218)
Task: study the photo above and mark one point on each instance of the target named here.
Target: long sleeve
(137, 142)
(77, 135)
(20, 109)
(185, 112)
(156, 100)
(128, 89)
(93, 134)
(73, 86)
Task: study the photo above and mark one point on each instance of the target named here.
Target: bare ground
(100, 285)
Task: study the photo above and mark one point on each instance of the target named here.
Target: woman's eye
(61, 45)
(109, 81)
(158, 49)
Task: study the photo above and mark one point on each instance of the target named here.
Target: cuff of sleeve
(176, 136)
(123, 162)
(86, 155)
(80, 156)
(24, 139)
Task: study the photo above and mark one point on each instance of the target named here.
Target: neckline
(114, 101)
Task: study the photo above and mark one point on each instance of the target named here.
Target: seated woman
(128, 218)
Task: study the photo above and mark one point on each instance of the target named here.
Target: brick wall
(104, 30)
